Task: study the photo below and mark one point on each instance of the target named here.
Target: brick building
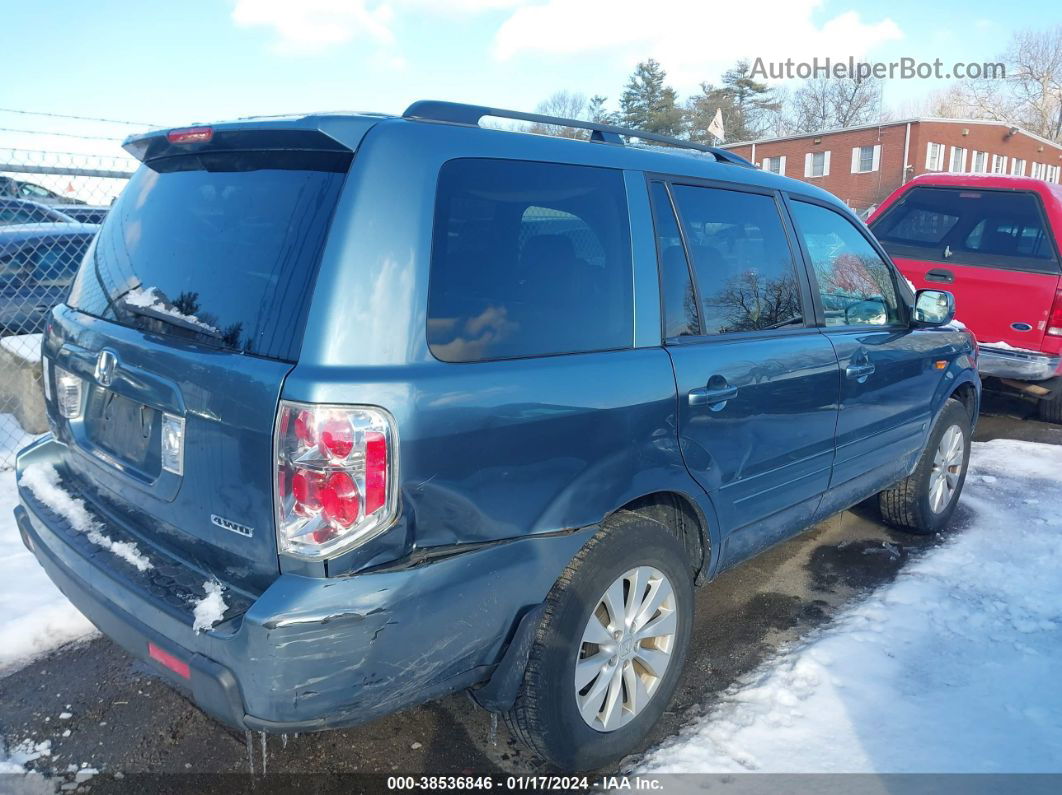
(863, 165)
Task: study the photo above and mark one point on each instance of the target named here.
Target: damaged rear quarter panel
(352, 648)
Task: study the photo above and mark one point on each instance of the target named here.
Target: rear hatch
(992, 249)
(188, 310)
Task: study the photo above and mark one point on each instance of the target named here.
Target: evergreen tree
(597, 111)
(648, 104)
(748, 106)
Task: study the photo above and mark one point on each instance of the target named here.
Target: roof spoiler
(229, 138)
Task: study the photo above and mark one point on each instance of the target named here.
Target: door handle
(940, 275)
(707, 397)
(859, 372)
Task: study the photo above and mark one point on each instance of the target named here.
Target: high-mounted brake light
(335, 477)
(1054, 320)
(190, 135)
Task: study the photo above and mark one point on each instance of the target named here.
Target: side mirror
(933, 308)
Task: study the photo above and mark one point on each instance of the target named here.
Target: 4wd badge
(228, 524)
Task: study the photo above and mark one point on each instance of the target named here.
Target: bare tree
(832, 103)
(1035, 79)
(567, 105)
(1030, 96)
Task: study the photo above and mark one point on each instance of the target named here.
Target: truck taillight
(1054, 320)
(335, 478)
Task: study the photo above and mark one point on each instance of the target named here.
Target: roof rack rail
(460, 113)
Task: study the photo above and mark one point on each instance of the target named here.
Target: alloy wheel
(626, 648)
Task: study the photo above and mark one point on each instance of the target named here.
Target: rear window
(217, 248)
(528, 259)
(1003, 229)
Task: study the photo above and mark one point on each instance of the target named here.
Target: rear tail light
(1054, 320)
(335, 477)
(190, 135)
(68, 393)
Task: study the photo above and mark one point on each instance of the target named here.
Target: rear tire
(1050, 409)
(562, 722)
(924, 502)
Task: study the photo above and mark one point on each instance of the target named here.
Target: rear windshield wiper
(172, 320)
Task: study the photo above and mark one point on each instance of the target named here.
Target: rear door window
(745, 272)
(529, 259)
(1000, 229)
(219, 248)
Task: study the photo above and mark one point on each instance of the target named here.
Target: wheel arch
(685, 518)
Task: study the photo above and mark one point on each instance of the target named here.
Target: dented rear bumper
(314, 653)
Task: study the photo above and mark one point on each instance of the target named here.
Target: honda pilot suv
(350, 412)
(993, 242)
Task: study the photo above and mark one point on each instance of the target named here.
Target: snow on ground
(954, 667)
(24, 346)
(34, 616)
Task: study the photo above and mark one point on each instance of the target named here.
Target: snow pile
(43, 481)
(12, 439)
(148, 298)
(13, 761)
(25, 346)
(210, 609)
(34, 616)
(954, 667)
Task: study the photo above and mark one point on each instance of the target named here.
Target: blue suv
(350, 412)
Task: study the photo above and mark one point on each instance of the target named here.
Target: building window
(1037, 171)
(817, 164)
(865, 159)
(776, 164)
(1052, 173)
(934, 157)
(958, 159)
(999, 164)
(1017, 167)
(979, 162)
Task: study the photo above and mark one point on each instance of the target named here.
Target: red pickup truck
(993, 241)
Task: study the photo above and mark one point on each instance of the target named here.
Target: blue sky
(174, 63)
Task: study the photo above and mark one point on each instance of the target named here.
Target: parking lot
(124, 720)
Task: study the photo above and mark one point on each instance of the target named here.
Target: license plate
(122, 427)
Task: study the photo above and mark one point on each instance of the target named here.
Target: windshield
(219, 249)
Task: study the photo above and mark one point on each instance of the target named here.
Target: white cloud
(309, 26)
(691, 39)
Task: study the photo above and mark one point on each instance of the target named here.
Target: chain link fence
(51, 205)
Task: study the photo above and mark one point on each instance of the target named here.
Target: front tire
(610, 649)
(924, 502)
